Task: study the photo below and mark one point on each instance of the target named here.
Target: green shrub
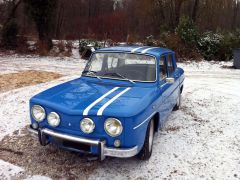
(187, 31)
(9, 35)
(151, 41)
(230, 42)
(209, 45)
(85, 43)
(174, 42)
(216, 46)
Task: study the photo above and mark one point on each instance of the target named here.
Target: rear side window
(163, 68)
(170, 65)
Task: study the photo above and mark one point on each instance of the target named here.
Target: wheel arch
(156, 120)
(181, 89)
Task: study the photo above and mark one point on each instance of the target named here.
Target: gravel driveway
(201, 140)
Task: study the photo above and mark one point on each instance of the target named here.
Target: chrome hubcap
(151, 133)
(179, 100)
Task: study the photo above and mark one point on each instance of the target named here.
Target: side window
(170, 65)
(163, 68)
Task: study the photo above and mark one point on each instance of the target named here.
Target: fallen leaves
(25, 78)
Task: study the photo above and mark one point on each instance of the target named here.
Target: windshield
(131, 67)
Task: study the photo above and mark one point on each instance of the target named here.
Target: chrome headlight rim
(120, 125)
(57, 117)
(92, 123)
(34, 117)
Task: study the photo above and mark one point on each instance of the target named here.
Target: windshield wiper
(119, 75)
(91, 73)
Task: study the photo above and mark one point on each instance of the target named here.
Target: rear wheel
(146, 151)
(178, 104)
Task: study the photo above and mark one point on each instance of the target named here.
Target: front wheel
(146, 151)
(178, 104)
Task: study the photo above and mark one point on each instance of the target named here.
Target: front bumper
(103, 151)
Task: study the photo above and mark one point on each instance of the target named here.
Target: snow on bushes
(209, 45)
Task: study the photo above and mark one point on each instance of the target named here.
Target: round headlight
(87, 125)
(113, 127)
(38, 113)
(53, 119)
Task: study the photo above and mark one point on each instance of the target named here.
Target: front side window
(170, 65)
(163, 68)
(123, 66)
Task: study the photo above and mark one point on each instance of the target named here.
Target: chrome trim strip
(105, 151)
(100, 111)
(144, 121)
(70, 138)
(33, 131)
(102, 146)
(146, 50)
(121, 153)
(163, 84)
(85, 112)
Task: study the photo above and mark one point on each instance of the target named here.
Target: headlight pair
(39, 114)
(112, 126)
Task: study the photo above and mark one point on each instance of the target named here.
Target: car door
(164, 90)
(173, 88)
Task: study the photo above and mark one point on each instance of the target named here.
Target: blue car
(125, 94)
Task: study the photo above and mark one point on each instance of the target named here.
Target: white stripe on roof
(146, 50)
(135, 49)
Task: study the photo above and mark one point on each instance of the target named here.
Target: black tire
(178, 104)
(146, 150)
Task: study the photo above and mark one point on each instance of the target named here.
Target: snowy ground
(201, 140)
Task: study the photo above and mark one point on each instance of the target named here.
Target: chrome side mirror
(170, 80)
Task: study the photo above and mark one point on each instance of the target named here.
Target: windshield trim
(103, 77)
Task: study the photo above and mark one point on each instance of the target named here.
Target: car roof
(148, 50)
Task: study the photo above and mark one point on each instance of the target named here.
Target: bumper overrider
(103, 151)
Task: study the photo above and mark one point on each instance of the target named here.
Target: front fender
(136, 128)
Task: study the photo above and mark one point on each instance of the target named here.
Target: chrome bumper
(103, 150)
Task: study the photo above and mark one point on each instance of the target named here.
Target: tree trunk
(13, 11)
(195, 9)
(172, 21)
(45, 41)
(235, 15)
(178, 6)
(60, 17)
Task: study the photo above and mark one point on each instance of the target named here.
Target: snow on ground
(37, 177)
(201, 140)
(8, 170)
(65, 66)
(206, 65)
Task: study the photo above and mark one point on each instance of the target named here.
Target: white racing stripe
(134, 50)
(146, 50)
(85, 112)
(100, 111)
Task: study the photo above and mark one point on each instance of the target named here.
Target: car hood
(81, 97)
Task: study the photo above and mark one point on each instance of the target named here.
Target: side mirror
(170, 80)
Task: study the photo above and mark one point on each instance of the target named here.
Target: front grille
(73, 145)
(77, 146)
